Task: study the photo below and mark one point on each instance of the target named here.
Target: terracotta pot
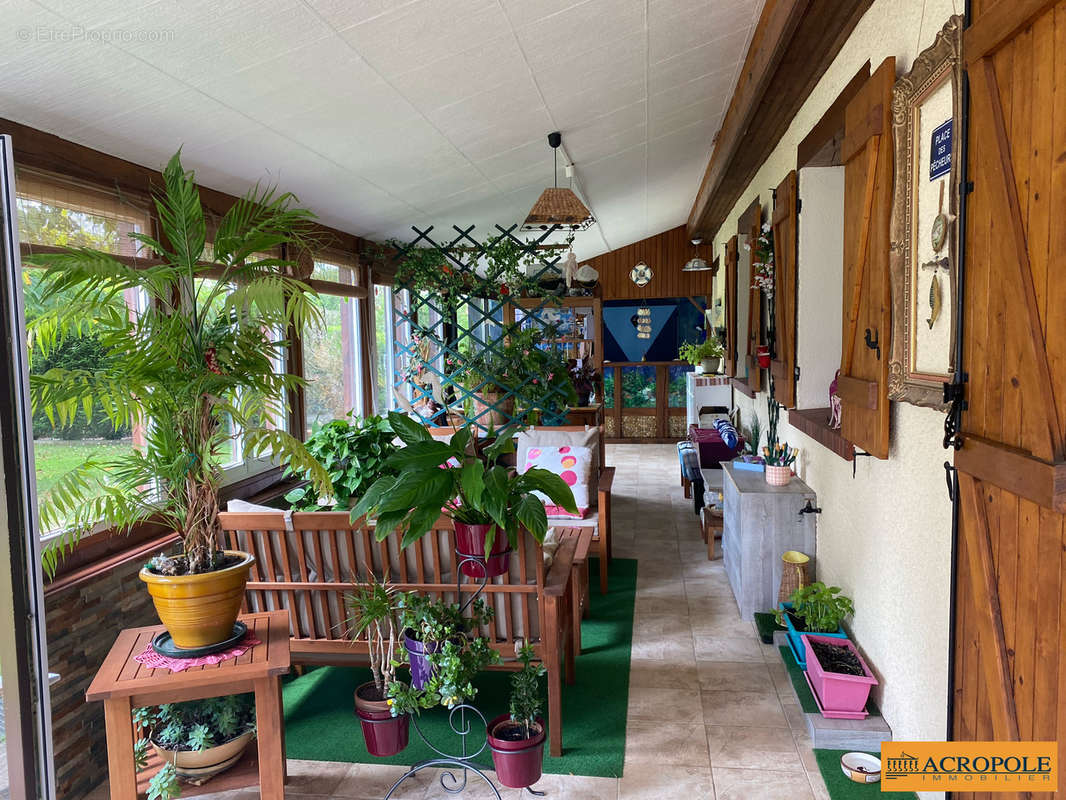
(488, 407)
(199, 610)
(778, 476)
(470, 539)
(518, 763)
(384, 734)
(199, 765)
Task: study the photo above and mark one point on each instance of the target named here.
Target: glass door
(26, 770)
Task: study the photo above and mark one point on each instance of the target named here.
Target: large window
(59, 215)
(331, 353)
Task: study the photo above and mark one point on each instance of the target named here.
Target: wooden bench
(308, 562)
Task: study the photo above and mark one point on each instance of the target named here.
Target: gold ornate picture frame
(923, 275)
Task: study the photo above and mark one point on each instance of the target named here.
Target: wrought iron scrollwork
(955, 397)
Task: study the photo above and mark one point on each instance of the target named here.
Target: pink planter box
(837, 692)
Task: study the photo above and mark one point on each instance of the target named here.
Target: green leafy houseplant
(442, 477)
(821, 607)
(354, 455)
(191, 726)
(776, 453)
(195, 365)
(526, 700)
(695, 354)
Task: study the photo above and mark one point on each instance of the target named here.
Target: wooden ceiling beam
(793, 45)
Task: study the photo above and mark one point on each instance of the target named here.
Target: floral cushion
(572, 464)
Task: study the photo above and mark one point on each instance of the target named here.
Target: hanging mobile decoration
(643, 322)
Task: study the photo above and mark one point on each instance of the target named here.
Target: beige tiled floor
(711, 714)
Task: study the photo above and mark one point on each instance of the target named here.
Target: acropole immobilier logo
(969, 766)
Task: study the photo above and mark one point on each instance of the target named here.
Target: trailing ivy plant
(195, 364)
(353, 453)
(191, 726)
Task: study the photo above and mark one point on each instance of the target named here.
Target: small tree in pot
(517, 739)
(196, 365)
(488, 502)
(374, 616)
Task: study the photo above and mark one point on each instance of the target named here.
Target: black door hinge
(796, 373)
(949, 474)
(955, 398)
(799, 205)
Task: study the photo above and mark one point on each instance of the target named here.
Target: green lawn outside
(56, 457)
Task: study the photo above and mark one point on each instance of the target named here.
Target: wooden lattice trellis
(443, 336)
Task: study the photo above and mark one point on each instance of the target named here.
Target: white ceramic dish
(861, 767)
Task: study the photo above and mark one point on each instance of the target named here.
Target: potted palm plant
(489, 503)
(517, 739)
(195, 365)
(374, 616)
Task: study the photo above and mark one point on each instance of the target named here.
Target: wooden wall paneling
(868, 185)
(666, 253)
(784, 221)
(731, 355)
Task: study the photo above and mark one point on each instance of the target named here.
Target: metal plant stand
(454, 780)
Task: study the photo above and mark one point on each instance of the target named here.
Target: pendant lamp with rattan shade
(556, 205)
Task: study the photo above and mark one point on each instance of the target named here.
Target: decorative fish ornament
(934, 300)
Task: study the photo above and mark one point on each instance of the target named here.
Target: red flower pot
(518, 763)
(384, 734)
(470, 540)
(762, 355)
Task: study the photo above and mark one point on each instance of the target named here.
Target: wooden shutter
(754, 379)
(867, 156)
(731, 256)
(783, 367)
(1010, 624)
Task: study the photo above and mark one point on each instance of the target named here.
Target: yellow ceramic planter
(199, 610)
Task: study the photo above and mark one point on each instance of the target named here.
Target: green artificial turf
(767, 625)
(799, 683)
(843, 788)
(320, 723)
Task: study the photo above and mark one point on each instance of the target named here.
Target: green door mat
(842, 787)
(320, 723)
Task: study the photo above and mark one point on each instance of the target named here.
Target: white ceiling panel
(382, 114)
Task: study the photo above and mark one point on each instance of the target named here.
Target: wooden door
(868, 183)
(1010, 594)
(731, 255)
(783, 366)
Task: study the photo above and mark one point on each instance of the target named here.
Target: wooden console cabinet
(760, 523)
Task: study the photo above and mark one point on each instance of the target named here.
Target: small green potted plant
(778, 456)
(517, 738)
(490, 504)
(374, 617)
(814, 608)
(195, 740)
(428, 623)
(353, 451)
(705, 356)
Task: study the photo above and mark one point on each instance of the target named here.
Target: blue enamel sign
(940, 151)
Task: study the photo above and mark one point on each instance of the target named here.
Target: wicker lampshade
(558, 206)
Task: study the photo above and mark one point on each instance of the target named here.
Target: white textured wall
(884, 536)
(820, 288)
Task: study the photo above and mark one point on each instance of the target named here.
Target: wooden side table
(579, 578)
(123, 683)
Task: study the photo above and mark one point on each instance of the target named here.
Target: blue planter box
(795, 643)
